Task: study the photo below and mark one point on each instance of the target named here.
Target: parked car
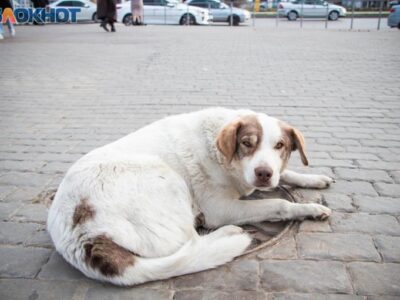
(222, 12)
(394, 17)
(310, 9)
(88, 9)
(165, 12)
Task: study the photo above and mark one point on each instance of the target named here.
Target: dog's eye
(246, 144)
(279, 145)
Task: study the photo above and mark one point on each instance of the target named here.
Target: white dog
(126, 212)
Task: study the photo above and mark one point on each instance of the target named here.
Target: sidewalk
(66, 89)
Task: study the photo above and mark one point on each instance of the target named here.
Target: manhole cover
(264, 234)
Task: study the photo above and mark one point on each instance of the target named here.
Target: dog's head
(257, 149)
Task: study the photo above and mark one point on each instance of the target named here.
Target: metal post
(277, 14)
(231, 18)
(254, 13)
(165, 14)
(352, 14)
(380, 14)
(327, 15)
(187, 15)
(301, 12)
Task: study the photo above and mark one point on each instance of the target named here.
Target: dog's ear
(299, 144)
(227, 139)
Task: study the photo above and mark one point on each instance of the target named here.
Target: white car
(88, 9)
(222, 12)
(165, 12)
(309, 9)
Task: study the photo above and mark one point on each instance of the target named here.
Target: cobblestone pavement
(70, 88)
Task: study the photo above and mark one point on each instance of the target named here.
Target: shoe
(1, 37)
(113, 29)
(104, 26)
(12, 32)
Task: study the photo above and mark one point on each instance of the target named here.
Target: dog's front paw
(319, 212)
(320, 181)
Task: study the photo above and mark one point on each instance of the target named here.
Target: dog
(126, 213)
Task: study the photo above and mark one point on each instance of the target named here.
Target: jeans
(9, 25)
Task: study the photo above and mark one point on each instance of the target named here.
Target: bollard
(301, 13)
(231, 17)
(327, 15)
(165, 14)
(352, 14)
(380, 14)
(277, 14)
(254, 13)
(187, 15)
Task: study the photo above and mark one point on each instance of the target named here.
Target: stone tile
(362, 174)
(219, 295)
(351, 188)
(6, 210)
(315, 226)
(22, 262)
(5, 190)
(297, 296)
(284, 249)
(25, 179)
(396, 176)
(339, 202)
(365, 223)
(389, 247)
(15, 233)
(379, 165)
(57, 268)
(26, 289)
(40, 238)
(379, 205)
(389, 190)
(31, 213)
(304, 276)
(375, 279)
(124, 293)
(238, 275)
(336, 246)
(24, 194)
(380, 297)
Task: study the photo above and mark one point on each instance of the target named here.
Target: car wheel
(235, 20)
(398, 26)
(94, 18)
(127, 20)
(292, 16)
(188, 19)
(333, 15)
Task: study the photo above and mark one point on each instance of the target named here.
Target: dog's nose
(263, 173)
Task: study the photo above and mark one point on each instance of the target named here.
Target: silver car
(222, 12)
(310, 9)
(394, 17)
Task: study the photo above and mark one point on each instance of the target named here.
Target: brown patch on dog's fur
(103, 254)
(83, 212)
(199, 221)
(292, 140)
(231, 138)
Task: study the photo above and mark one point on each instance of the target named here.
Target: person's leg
(103, 24)
(11, 27)
(1, 31)
(111, 22)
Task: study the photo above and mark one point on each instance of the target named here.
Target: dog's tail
(200, 253)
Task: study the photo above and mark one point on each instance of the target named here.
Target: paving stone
(362, 174)
(40, 238)
(390, 190)
(5, 190)
(304, 276)
(380, 165)
(375, 279)
(26, 289)
(396, 176)
(339, 202)
(380, 297)
(22, 262)
(6, 209)
(365, 223)
(219, 295)
(315, 226)
(239, 275)
(351, 188)
(31, 213)
(380, 205)
(297, 296)
(25, 179)
(389, 247)
(121, 293)
(58, 269)
(15, 233)
(337, 246)
(23, 194)
(284, 249)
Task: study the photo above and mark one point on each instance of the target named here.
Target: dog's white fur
(146, 189)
